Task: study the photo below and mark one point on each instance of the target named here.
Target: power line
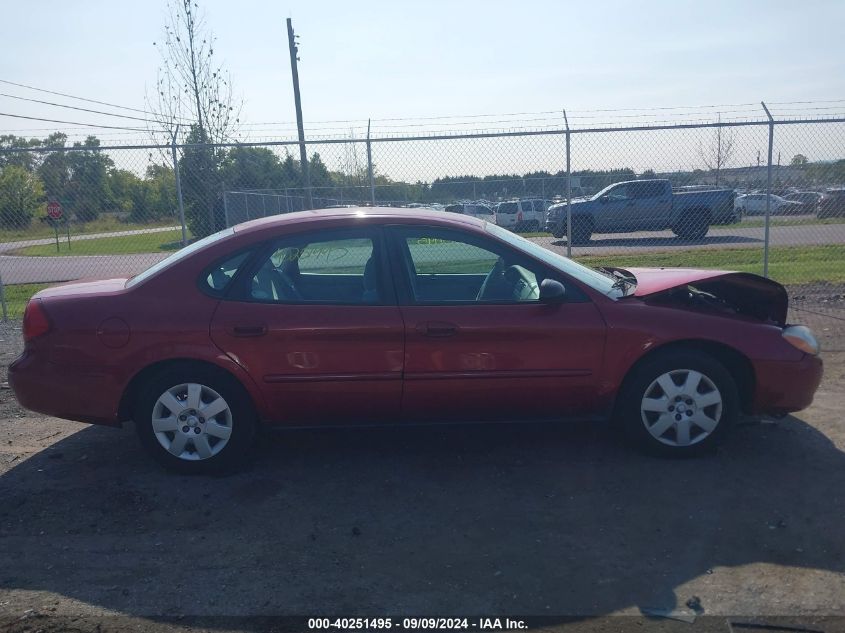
(110, 127)
(70, 107)
(69, 96)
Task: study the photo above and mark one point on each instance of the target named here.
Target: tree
(202, 188)
(718, 154)
(21, 195)
(21, 159)
(193, 90)
(799, 160)
(88, 190)
(191, 87)
(253, 168)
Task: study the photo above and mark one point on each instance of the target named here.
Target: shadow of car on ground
(520, 519)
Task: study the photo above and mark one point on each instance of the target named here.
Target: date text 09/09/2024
(418, 623)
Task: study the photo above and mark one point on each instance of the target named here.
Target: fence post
(568, 190)
(179, 189)
(370, 167)
(3, 301)
(768, 191)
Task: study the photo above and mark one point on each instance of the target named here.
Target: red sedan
(384, 316)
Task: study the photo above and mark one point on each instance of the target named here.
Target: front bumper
(784, 386)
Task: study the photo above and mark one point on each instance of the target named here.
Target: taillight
(35, 321)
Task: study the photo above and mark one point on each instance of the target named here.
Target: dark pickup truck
(644, 205)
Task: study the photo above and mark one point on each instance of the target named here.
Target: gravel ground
(508, 519)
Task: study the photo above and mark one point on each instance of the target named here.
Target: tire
(692, 226)
(654, 413)
(582, 230)
(212, 443)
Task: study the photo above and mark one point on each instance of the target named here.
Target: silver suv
(522, 215)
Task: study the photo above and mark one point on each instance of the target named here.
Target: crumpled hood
(750, 294)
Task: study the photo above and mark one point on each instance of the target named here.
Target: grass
(122, 245)
(787, 264)
(104, 224)
(17, 296)
(756, 222)
(752, 223)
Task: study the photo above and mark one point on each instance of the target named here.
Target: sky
(407, 60)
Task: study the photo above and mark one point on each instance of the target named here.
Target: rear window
(507, 207)
(178, 256)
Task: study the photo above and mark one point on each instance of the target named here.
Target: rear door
(315, 323)
(479, 345)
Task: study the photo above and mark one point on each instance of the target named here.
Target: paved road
(17, 269)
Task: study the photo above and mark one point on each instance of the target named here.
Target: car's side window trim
(241, 289)
(400, 259)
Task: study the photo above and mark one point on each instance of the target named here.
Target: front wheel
(195, 420)
(678, 403)
(582, 230)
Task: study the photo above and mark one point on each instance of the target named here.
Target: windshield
(604, 191)
(605, 284)
(179, 255)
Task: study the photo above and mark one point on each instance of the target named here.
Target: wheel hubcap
(681, 407)
(192, 421)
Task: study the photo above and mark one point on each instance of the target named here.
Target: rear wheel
(692, 226)
(678, 403)
(195, 420)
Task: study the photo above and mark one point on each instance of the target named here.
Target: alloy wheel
(192, 421)
(681, 407)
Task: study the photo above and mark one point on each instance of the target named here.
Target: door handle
(437, 329)
(245, 331)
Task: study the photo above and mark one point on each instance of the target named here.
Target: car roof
(384, 215)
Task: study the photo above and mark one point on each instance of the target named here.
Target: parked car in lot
(396, 317)
(642, 205)
(521, 215)
(755, 204)
(808, 201)
(474, 209)
(832, 204)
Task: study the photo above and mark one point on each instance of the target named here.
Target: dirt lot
(503, 520)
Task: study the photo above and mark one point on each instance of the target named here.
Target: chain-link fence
(761, 196)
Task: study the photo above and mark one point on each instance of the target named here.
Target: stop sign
(54, 210)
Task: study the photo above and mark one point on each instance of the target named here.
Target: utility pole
(303, 154)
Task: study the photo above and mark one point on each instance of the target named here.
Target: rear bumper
(72, 393)
(784, 387)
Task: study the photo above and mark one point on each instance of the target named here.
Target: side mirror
(552, 291)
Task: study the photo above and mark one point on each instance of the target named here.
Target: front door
(479, 345)
(315, 323)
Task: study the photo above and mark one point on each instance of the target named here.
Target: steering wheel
(495, 274)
